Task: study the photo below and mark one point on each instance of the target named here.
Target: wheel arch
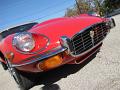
(2, 57)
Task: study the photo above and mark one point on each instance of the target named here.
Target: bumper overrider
(76, 49)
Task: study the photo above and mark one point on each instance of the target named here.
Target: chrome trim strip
(48, 42)
(42, 56)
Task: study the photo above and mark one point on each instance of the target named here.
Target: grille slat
(87, 38)
(79, 39)
(83, 41)
(83, 49)
(77, 43)
(87, 41)
(77, 47)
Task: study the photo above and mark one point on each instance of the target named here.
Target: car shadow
(51, 87)
(50, 77)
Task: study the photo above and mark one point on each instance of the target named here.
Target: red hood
(65, 26)
(56, 28)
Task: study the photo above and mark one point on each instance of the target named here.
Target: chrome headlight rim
(34, 52)
(16, 42)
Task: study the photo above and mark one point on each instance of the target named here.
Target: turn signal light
(9, 55)
(50, 63)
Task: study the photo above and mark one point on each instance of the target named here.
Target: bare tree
(80, 7)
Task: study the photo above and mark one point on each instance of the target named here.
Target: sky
(14, 12)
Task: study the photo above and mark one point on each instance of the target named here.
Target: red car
(33, 47)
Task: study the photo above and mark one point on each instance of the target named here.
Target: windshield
(17, 29)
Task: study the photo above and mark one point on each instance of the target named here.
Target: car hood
(56, 28)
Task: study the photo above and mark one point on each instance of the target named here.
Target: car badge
(92, 34)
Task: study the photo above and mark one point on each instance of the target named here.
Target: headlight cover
(24, 41)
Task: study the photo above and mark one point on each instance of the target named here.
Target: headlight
(24, 41)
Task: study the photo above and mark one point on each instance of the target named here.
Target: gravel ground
(101, 73)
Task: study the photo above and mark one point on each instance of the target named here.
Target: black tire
(24, 80)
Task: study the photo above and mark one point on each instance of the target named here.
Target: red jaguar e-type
(33, 47)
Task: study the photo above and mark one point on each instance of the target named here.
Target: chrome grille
(83, 41)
